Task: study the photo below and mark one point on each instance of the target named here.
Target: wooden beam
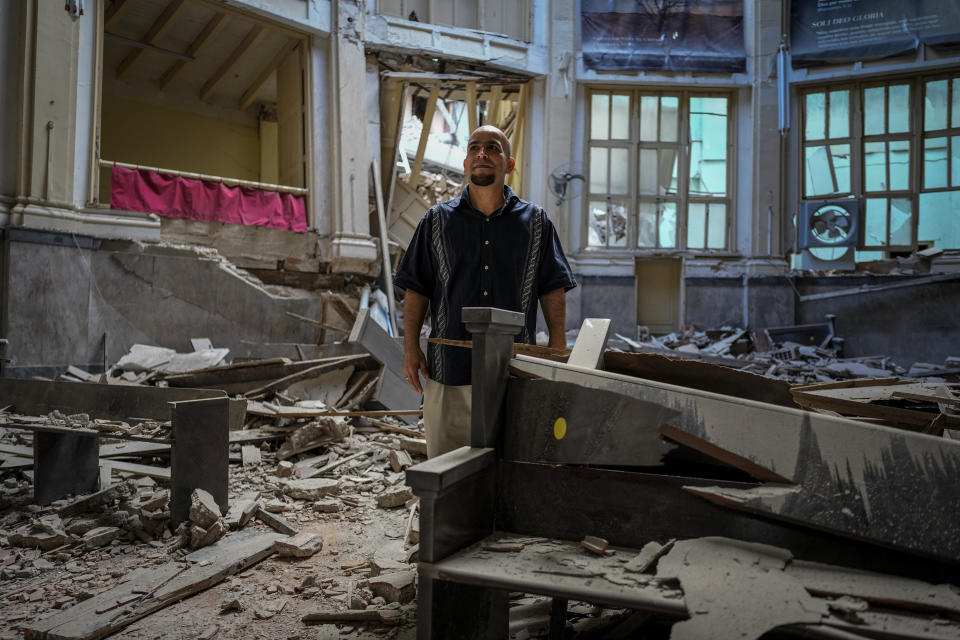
(154, 33)
(424, 135)
(116, 10)
(257, 85)
(211, 29)
(471, 106)
(254, 36)
(493, 106)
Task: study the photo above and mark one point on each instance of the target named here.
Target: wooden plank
(471, 106)
(115, 12)
(547, 353)
(863, 400)
(251, 93)
(157, 473)
(159, 27)
(310, 372)
(393, 392)
(148, 590)
(890, 486)
(133, 449)
(424, 135)
(253, 37)
(16, 450)
(878, 588)
(384, 247)
(255, 435)
(342, 307)
(591, 341)
(701, 375)
(556, 568)
(295, 412)
(209, 31)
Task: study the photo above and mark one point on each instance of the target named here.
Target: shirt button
(486, 219)
(484, 293)
(486, 242)
(486, 267)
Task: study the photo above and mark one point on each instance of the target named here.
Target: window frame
(682, 195)
(858, 139)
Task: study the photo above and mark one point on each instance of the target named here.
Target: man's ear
(510, 164)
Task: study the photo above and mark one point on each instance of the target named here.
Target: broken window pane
(899, 108)
(839, 114)
(600, 116)
(648, 171)
(935, 106)
(840, 154)
(620, 118)
(815, 117)
(901, 218)
(648, 118)
(597, 224)
(598, 170)
(669, 118)
(819, 178)
(647, 225)
(668, 224)
(874, 111)
(619, 171)
(668, 171)
(875, 166)
(899, 165)
(938, 219)
(717, 226)
(696, 225)
(618, 225)
(875, 227)
(934, 163)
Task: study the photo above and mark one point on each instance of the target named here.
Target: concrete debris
(394, 497)
(100, 536)
(204, 510)
(301, 545)
(310, 488)
(395, 587)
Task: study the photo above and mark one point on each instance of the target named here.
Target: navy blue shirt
(460, 257)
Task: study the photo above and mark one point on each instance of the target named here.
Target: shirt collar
(509, 197)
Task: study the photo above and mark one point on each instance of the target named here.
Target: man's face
(487, 159)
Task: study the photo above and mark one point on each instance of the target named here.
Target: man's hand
(414, 364)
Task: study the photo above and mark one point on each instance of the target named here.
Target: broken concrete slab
(310, 488)
(250, 455)
(204, 510)
(394, 497)
(300, 545)
(395, 587)
(275, 522)
(242, 509)
(100, 536)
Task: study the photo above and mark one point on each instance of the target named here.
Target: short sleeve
(554, 271)
(416, 270)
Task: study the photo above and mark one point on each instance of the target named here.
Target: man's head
(488, 158)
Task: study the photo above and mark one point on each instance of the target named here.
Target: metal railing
(266, 186)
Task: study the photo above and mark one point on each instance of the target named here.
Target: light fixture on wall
(783, 91)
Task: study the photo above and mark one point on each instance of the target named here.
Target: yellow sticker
(559, 428)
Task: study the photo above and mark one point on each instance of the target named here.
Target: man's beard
(483, 180)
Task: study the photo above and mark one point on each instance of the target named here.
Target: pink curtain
(176, 197)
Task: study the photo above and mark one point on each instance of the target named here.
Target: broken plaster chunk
(250, 455)
(301, 545)
(596, 546)
(200, 537)
(394, 587)
(326, 506)
(100, 536)
(310, 488)
(394, 498)
(400, 460)
(646, 560)
(203, 509)
(284, 469)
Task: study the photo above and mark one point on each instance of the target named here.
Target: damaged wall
(67, 291)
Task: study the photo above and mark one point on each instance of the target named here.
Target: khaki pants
(446, 417)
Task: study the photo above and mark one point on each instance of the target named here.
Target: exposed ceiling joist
(211, 29)
(254, 36)
(116, 10)
(257, 85)
(154, 33)
(148, 47)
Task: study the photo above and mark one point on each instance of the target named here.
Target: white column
(351, 247)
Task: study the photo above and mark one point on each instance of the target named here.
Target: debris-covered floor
(321, 536)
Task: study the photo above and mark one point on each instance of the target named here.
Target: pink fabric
(176, 197)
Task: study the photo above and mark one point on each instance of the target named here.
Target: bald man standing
(485, 248)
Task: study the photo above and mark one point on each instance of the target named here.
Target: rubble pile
(787, 360)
